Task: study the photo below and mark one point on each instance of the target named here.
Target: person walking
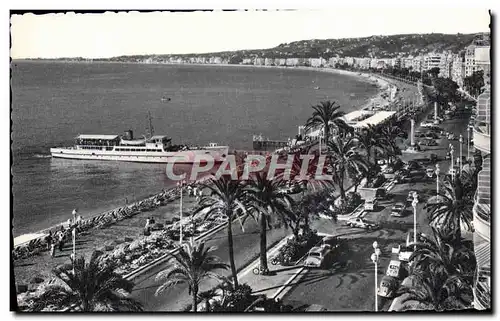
(147, 227)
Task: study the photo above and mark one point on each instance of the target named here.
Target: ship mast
(150, 123)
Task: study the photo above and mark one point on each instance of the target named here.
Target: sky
(128, 33)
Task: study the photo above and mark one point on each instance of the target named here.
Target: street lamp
(461, 141)
(197, 193)
(437, 178)
(469, 128)
(375, 257)
(452, 166)
(414, 204)
(181, 186)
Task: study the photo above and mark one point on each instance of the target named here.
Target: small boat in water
(317, 87)
(165, 99)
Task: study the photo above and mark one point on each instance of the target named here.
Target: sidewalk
(274, 284)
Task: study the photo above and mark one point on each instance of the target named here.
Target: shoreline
(383, 86)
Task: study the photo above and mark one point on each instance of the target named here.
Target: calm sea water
(53, 102)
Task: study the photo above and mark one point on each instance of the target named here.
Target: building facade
(482, 201)
(458, 69)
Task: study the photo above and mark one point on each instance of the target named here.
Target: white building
(458, 69)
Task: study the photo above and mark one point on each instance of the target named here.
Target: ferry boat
(156, 149)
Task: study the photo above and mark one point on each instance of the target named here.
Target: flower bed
(295, 248)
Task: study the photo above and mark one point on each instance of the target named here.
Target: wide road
(349, 283)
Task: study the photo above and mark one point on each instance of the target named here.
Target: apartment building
(431, 61)
(482, 200)
(458, 69)
(482, 59)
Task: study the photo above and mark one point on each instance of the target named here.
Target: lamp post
(197, 193)
(437, 178)
(452, 165)
(375, 256)
(461, 141)
(469, 128)
(181, 186)
(414, 204)
(73, 234)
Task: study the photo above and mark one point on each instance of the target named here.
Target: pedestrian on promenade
(48, 239)
(147, 227)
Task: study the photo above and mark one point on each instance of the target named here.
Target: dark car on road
(398, 210)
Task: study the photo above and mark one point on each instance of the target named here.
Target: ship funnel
(129, 134)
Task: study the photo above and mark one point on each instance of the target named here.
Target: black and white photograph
(235, 160)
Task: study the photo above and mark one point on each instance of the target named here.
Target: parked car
(388, 287)
(452, 136)
(359, 222)
(394, 269)
(431, 135)
(430, 172)
(427, 142)
(426, 124)
(370, 205)
(433, 157)
(403, 252)
(317, 255)
(398, 210)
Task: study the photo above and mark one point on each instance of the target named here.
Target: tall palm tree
(389, 134)
(268, 199)
(94, 286)
(192, 265)
(343, 153)
(437, 292)
(370, 139)
(451, 207)
(227, 197)
(326, 114)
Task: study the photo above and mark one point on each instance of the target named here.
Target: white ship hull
(187, 156)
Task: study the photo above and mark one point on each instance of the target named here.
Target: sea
(53, 102)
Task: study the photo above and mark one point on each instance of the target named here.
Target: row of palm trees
(95, 285)
(264, 200)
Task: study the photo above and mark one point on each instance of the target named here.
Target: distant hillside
(374, 46)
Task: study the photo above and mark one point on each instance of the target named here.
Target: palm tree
(192, 265)
(94, 286)
(451, 207)
(227, 197)
(389, 134)
(267, 198)
(343, 154)
(435, 292)
(370, 138)
(325, 114)
(445, 254)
